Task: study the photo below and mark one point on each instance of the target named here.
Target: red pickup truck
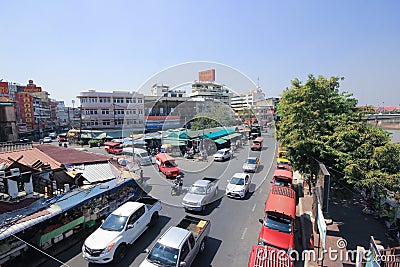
(166, 164)
(113, 148)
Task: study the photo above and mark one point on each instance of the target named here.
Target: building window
(180, 95)
(105, 111)
(91, 111)
(106, 122)
(94, 123)
(105, 99)
(133, 100)
(119, 111)
(118, 100)
(119, 122)
(92, 100)
(140, 111)
(140, 100)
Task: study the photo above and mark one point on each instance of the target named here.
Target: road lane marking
(244, 233)
(254, 207)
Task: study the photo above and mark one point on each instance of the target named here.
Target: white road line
(254, 207)
(244, 233)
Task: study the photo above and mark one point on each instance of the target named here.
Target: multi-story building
(240, 102)
(116, 110)
(8, 120)
(165, 91)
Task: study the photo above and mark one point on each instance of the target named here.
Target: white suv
(222, 154)
(238, 185)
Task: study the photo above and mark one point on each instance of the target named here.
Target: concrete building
(166, 91)
(240, 102)
(115, 110)
(211, 91)
(8, 120)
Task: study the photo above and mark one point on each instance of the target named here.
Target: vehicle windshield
(237, 181)
(220, 152)
(144, 154)
(251, 161)
(282, 182)
(278, 223)
(170, 164)
(114, 223)
(198, 190)
(162, 255)
(256, 143)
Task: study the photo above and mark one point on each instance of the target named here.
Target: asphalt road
(234, 223)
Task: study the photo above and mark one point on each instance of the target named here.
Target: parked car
(180, 244)
(166, 164)
(200, 194)
(47, 139)
(113, 147)
(238, 185)
(139, 155)
(251, 164)
(53, 135)
(121, 228)
(222, 154)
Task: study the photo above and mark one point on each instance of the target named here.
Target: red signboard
(25, 103)
(207, 76)
(4, 89)
(31, 88)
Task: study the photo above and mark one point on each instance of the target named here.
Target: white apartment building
(211, 91)
(163, 90)
(115, 110)
(239, 102)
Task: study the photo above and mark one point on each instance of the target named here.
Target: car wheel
(120, 253)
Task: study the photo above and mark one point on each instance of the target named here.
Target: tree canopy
(215, 116)
(318, 123)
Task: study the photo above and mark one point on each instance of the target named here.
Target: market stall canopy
(173, 141)
(220, 141)
(104, 136)
(231, 136)
(219, 134)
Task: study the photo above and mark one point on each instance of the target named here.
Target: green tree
(215, 116)
(317, 123)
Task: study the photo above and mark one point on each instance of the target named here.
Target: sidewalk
(349, 228)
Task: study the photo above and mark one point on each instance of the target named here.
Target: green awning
(219, 134)
(231, 136)
(220, 141)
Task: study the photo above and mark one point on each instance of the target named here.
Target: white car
(238, 185)
(222, 154)
(47, 139)
(251, 164)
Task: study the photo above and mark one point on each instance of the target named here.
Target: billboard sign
(4, 89)
(207, 76)
(31, 88)
(25, 103)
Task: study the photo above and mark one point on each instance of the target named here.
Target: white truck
(122, 227)
(180, 245)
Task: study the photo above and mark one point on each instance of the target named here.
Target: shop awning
(174, 141)
(219, 134)
(220, 141)
(231, 136)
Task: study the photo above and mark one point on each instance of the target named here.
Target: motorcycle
(177, 185)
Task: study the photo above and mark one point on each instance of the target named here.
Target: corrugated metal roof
(29, 157)
(93, 173)
(71, 156)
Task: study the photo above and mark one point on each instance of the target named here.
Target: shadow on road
(205, 259)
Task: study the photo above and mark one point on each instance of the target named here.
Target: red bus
(263, 256)
(278, 224)
(282, 177)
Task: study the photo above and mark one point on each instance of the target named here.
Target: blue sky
(72, 46)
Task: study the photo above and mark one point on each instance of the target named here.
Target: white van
(141, 156)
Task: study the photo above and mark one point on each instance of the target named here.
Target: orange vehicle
(263, 256)
(278, 224)
(282, 177)
(166, 164)
(257, 144)
(113, 148)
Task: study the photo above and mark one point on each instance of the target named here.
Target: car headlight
(261, 242)
(108, 248)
